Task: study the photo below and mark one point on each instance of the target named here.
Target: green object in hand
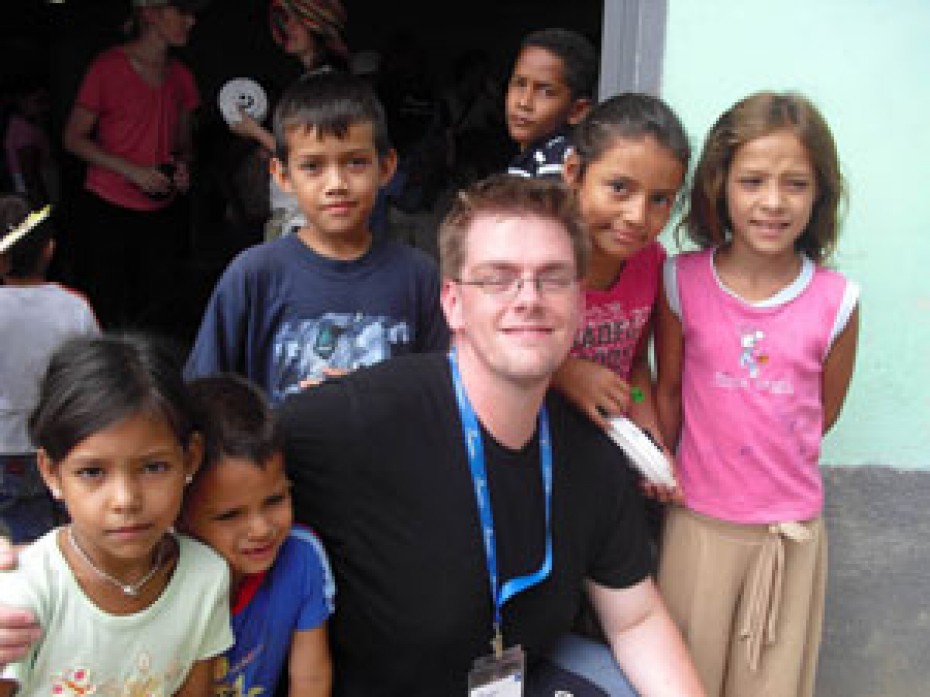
(637, 395)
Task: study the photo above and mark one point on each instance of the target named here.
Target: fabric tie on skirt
(760, 614)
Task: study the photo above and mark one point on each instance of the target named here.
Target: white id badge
(494, 676)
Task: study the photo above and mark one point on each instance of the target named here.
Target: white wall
(866, 64)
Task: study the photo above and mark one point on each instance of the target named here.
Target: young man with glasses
(466, 510)
(381, 470)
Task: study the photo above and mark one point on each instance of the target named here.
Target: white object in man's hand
(644, 454)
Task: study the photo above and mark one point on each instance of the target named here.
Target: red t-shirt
(136, 120)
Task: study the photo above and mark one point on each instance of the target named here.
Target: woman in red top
(131, 124)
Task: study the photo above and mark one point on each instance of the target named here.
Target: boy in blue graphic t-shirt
(329, 298)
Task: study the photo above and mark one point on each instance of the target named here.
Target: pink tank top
(752, 414)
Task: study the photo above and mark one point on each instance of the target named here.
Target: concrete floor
(877, 627)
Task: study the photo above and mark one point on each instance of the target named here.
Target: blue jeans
(26, 510)
(593, 661)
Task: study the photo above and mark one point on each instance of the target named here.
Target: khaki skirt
(748, 599)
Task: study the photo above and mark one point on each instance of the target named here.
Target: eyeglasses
(509, 285)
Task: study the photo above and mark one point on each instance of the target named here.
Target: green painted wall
(866, 64)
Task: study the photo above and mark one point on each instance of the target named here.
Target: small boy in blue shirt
(330, 298)
(551, 88)
(282, 590)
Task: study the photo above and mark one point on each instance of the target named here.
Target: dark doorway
(54, 41)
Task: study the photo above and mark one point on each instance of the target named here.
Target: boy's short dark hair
(25, 256)
(235, 420)
(329, 102)
(579, 57)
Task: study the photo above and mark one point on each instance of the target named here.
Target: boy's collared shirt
(544, 158)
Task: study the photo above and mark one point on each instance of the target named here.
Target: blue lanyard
(472, 433)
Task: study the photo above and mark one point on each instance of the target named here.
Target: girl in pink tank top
(628, 162)
(756, 349)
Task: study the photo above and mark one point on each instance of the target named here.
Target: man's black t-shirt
(380, 471)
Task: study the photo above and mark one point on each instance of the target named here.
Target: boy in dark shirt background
(551, 88)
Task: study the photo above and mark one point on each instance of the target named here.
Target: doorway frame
(632, 46)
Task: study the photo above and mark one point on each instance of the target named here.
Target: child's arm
(642, 401)
(327, 374)
(199, 680)
(643, 413)
(247, 127)
(596, 390)
(838, 369)
(310, 667)
(668, 371)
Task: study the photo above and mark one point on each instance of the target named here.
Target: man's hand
(18, 628)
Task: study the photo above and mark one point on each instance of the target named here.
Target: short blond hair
(509, 196)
